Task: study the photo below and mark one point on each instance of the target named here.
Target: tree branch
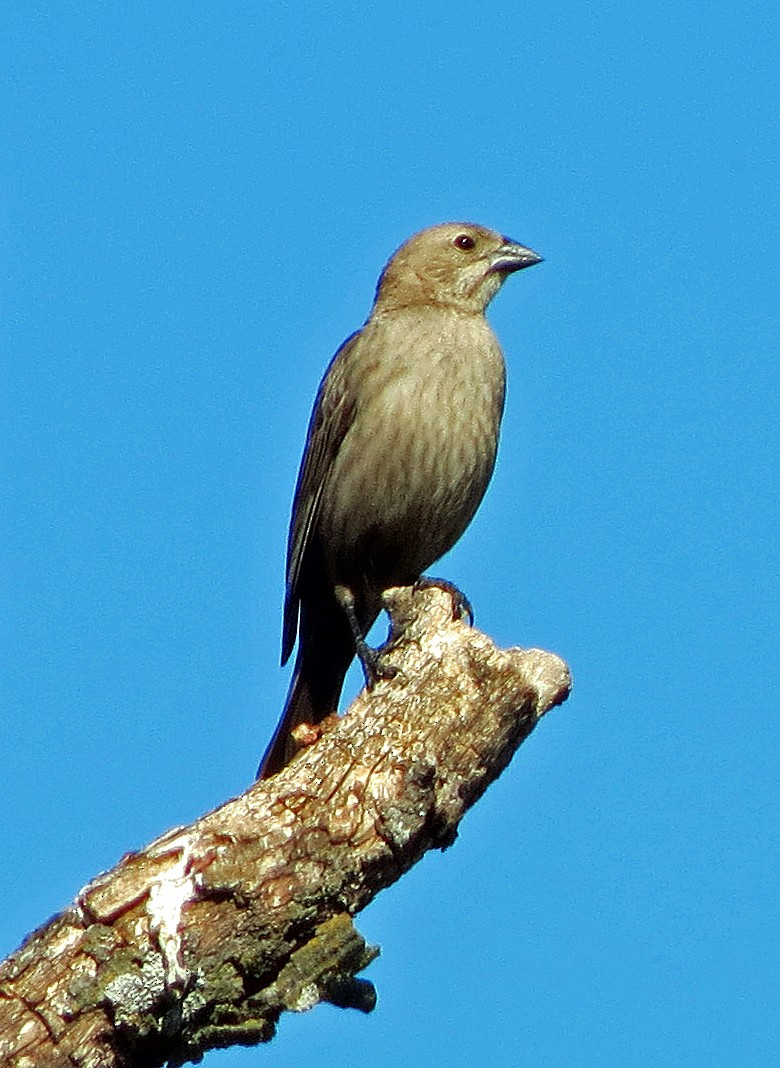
(205, 937)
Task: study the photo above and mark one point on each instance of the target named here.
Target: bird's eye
(464, 242)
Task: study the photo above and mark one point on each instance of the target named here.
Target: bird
(400, 449)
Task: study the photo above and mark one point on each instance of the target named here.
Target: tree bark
(205, 937)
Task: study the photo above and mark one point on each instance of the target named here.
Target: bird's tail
(314, 694)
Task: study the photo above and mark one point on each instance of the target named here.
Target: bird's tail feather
(314, 694)
(298, 708)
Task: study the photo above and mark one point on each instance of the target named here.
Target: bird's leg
(461, 605)
(371, 660)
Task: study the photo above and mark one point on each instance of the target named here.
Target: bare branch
(205, 937)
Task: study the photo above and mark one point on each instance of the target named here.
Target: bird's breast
(417, 458)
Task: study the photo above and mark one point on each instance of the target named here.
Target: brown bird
(400, 449)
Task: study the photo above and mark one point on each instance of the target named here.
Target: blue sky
(196, 203)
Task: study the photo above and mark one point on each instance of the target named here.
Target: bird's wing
(331, 419)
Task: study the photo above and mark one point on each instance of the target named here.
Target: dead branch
(205, 937)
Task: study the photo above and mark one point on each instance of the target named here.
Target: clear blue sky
(196, 202)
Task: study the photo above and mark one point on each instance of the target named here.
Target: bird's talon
(387, 671)
(375, 667)
(461, 605)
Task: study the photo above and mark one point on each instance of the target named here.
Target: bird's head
(457, 265)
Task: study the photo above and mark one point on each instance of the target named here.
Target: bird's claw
(373, 662)
(461, 605)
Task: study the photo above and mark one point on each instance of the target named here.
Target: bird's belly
(417, 465)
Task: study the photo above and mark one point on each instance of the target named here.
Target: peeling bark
(205, 937)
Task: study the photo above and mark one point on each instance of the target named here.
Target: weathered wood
(206, 936)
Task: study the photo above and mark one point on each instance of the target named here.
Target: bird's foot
(373, 662)
(461, 605)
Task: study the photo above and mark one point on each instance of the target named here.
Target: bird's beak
(513, 257)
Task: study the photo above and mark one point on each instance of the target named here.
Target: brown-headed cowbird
(400, 450)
